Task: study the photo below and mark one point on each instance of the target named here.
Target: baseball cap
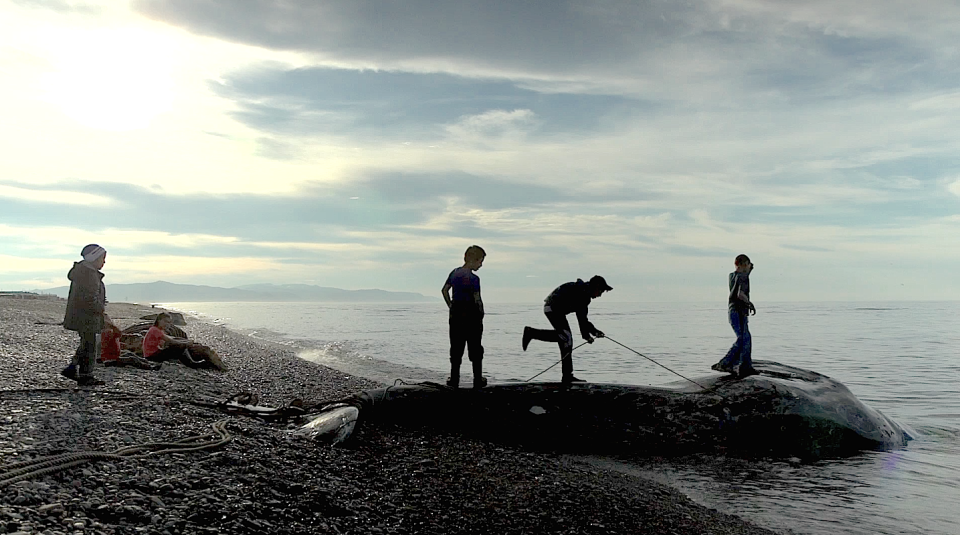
(600, 282)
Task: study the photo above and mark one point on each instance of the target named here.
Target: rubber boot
(479, 381)
(454, 380)
(566, 365)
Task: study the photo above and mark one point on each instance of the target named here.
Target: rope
(653, 361)
(555, 363)
(16, 472)
(74, 390)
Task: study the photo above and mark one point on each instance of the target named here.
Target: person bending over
(567, 298)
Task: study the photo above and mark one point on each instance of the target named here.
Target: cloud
(385, 200)
(375, 105)
(181, 267)
(656, 48)
(954, 187)
(500, 125)
(488, 36)
(329, 141)
(17, 264)
(49, 196)
(945, 103)
(61, 6)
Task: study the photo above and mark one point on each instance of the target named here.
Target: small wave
(935, 431)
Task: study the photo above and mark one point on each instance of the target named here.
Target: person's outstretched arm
(174, 340)
(587, 330)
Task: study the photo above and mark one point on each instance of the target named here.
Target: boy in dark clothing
(738, 360)
(86, 312)
(567, 298)
(466, 316)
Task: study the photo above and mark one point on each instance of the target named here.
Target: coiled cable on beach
(16, 472)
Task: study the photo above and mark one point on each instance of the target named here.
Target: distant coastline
(168, 292)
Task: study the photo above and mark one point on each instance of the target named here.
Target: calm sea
(900, 358)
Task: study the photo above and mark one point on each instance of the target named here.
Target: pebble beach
(387, 479)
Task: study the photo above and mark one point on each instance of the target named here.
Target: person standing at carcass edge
(567, 298)
(466, 316)
(738, 360)
(86, 312)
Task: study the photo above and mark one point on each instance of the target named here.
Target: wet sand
(387, 480)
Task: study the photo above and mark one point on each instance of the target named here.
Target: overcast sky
(366, 144)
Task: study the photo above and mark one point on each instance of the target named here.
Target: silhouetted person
(567, 298)
(738, 360)
(466, 316)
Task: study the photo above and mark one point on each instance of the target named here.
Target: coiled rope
(16, 472)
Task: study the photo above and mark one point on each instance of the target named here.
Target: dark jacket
(573, 297)
(738, 282)
(87, 299)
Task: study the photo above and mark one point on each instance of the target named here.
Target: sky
(366, 144)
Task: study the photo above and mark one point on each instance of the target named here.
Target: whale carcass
(784, 411)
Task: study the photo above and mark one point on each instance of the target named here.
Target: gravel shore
(388, 480)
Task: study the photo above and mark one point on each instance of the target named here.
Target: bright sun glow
(111, 79)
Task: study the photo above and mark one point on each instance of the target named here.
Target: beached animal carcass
(784, 411)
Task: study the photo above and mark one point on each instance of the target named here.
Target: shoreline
(388, 480)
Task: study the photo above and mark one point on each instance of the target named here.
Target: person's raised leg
(544, 335)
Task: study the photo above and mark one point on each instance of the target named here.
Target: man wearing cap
(567, 298)
(86, 312)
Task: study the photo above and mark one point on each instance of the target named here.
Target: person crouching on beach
(158, 346)
(86, 312)
(567, 298)
(738, 360)
(110, 346)
(466, 316)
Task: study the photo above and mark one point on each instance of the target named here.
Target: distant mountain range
(168, 292)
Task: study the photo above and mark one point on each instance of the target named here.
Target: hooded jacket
(572, 297)
(87, 299)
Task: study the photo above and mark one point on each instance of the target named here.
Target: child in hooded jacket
(86, 312)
